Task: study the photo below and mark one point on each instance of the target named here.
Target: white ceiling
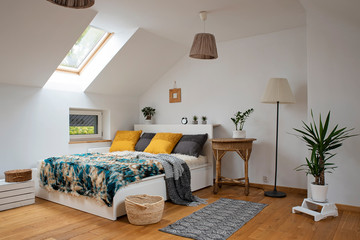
(345, 9)
(36, 35)
(178, 20)
(138, 64)
(167, 30)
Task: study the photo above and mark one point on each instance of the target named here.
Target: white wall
(333, 84)
(236, 81)
(34, 122)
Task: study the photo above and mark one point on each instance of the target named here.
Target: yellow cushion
(125, 141)
(163, 143)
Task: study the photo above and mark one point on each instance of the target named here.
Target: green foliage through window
(82, 124)
(82, 130)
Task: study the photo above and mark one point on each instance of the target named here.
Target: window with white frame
(85, 48)
(85, 124)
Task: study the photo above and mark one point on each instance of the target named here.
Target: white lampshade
(278, 90)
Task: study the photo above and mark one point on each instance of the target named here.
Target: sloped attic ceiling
(346, 9)
(35, 37)
(179, 20)
(167, 29)
(138, 64)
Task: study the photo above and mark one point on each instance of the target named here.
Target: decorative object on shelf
(204, 118)
(19, 175)
(195, 119)
(277, 91)
(239, 120)
(204, 45)
(184, 120)
(148, 112)
(321, 141)
(78, 4)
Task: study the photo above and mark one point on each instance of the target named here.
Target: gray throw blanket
(177, 178)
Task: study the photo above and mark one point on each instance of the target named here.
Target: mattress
(191, 161)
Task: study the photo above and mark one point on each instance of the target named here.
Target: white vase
(319, 192)
(239, 134)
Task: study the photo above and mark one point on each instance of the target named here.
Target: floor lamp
(277, 91)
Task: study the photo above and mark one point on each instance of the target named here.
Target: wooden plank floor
(47, 220)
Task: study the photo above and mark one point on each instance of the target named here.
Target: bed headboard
(184, 129)
(177, 128)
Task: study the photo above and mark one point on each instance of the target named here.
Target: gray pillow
(144, 141)
(191, 144)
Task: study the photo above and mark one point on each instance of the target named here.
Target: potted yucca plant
(239, 121)
(321, 141)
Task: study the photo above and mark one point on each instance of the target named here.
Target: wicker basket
(144, 209)
(19, 175)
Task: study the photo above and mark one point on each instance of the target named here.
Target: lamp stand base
(275, 194)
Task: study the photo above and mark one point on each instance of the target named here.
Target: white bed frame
(201, 176)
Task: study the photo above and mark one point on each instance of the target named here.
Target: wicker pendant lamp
(78, 4)
(204, 45)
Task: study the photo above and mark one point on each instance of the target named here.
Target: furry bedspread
(100, 175)
(97, 175)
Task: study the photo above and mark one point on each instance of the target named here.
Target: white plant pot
(150, 121)
(319, 192)
(239, 134)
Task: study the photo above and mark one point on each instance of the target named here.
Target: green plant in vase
(148, 112)
(204, 120)
(239, 121)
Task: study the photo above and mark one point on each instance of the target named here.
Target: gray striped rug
(218, 220)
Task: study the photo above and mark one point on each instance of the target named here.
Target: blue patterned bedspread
(97, 175)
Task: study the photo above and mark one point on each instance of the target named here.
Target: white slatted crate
(16, 194)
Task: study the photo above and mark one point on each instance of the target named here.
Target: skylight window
(90, 41)
(76, 76)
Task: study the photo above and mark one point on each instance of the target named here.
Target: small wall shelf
(309, 207)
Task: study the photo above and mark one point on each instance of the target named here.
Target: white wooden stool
(309, 207)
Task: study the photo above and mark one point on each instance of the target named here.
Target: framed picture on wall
(175, 95)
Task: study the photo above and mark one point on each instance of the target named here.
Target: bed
(201, 176)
